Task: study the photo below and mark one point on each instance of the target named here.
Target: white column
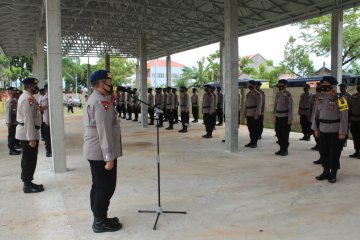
(107, 62)
(88, 73)
(222, 46)
(54, 63)
(40, 57)
(231, 62)
(143, 81)
(336, 43)
(34, 67)
(168, 70)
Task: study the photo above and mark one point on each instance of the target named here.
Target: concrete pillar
(34, 67)
(143, 81)
(137, 74)
(168, 70)
(88, 73)
(40, 55)
(54, 63)
(231, 63)
(107, 62)
(221, 47)
(336, 43)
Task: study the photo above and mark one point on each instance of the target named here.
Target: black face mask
(35, 89)
(206, 90)
(326, 88)
(318, 89)
(110, 86)
(343, 90)
(251, 88)
(306, 89)
(358, 89)
(281, 88)
(181, 91)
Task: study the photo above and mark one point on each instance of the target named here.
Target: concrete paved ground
(251, 195)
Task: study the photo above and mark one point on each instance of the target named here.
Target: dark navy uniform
(354, 115)
(284, 115)
(331, 112)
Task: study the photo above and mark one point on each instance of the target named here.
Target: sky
(270, 44)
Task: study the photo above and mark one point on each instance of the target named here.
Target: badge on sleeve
(30, 100)
(106, 105)
(343, 104)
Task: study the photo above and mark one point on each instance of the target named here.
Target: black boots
(282, 152)
(356, 154)
(33, 188)
(14, 152)
(184, 130)
(317, 161)
(251, 144)
(332, 176)
(106, 225)
(325, 175)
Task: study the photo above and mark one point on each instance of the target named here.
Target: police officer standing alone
(27, 131)
(102, 147)
(151, 102)
(331, 111)
(354, 115)
(305, 110)
(10, 119)
(284, 115)
(252, 112)
(184, 108)
(44, 107)
(195, 105)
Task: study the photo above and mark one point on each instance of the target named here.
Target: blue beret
(174, 89)
(329, 79)
(46, 86)
(100, 75)
(259, 83)
(11, 89)
(307, 85)
(218, 88)
(252, 82)
(207, 86)
(149, 89)
(343, 85)
(283, 81)
(30, 81)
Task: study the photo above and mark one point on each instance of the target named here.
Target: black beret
(329, 79)
(135, 89)
(283, 81)
(194, 89)
(218, 88)
(207, 86)
(307, 85)
(129, 88)
(174, 89)
(149, 89)
(343, 85)
(158, 89)
(11, 89)
(30, 81)
(252, 82)
(100, 75)
(46, 86)
(259, 83)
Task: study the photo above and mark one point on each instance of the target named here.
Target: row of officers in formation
(327, 115)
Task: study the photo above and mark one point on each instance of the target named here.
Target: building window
(161, 75)
(153, 75)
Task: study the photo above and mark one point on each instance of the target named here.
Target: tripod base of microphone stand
(159, 211)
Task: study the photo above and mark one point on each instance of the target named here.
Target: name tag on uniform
(343, 104)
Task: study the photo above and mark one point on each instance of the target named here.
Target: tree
(121, 68)
(72, 71)
(244, 66)
(297, 60)
(5, 72)
(21, 67)
(317, 35)
(198, 73)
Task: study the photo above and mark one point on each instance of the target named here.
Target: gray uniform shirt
(159, 100)
(11, 109)
(45, 106)
(170, 103)
(220, 100)
(128, 98)
(184, 102)
(306, 104)
(208, 103)
(284, 105)
(262, 101)
(195, 100)
(354, 107)
(151, 99)
(329, 116)
(253, 104)
(29, 118)
(102, 137)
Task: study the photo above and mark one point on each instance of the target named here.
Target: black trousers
(165, 111)
(118, 109)
(102, 188)
(28, 161)
(151, 114)
(184, 119)
(70, 108)
(195, 112)
(42, 130)
(330, 150)
(122, 110)
(261, 125)
(47, 137)
(305, 125)
(282, 129)
(170, 116)
(254, 128)
(176, 115)
(207, 122)
(355, 132)
(136, 112)
(11, 137)
(220, 115)
(129, 110)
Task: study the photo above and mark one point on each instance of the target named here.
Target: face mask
(281, 88)
(181, 91)
(251, 88)
(110, 86)
(206, 90)
(35, 89)
(318, 89)
(343, 90)
(326, 88)
(306, 89)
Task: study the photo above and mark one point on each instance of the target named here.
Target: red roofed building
(157, 72)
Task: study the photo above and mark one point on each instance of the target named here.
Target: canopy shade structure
(98, 27)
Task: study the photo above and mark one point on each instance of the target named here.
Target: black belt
(286, 111)
(207, 107)
(183, 105)
(304, 109)
(36, 127)
(329, 121)
(252, 107)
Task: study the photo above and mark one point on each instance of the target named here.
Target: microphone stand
(159, 210)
